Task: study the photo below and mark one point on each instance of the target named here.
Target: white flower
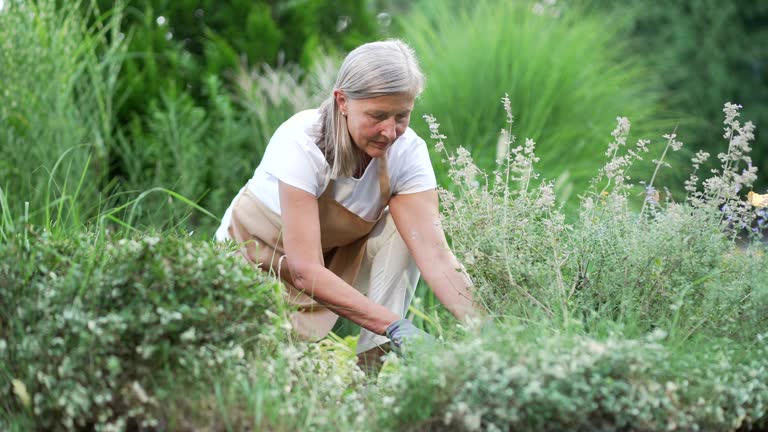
(507, 107)
(619, 134)
(188, 335)
(731, 112)
(546, 197)
(138, 390)
(675, 144)
(435, 132)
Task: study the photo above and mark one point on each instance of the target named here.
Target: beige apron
(343, 237)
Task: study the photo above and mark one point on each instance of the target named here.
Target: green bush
(177, 45)
(98, 331)
(185, 124)
(568, 78)
(172, 153)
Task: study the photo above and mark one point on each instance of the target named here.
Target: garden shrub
(97, 330)
(173, 153)
(675, 265)
(509, 379)
(624, 320)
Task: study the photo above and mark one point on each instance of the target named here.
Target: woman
(347, 196)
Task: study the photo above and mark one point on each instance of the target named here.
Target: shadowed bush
(178, 45)
(208, 154)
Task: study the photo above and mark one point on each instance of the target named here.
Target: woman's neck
(365, 159)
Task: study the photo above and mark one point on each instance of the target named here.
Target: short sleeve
(414, 172)
(294, 159)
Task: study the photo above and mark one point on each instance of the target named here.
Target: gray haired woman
(346, 194)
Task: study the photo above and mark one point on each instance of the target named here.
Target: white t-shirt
(292, 156)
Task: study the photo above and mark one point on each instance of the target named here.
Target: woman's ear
(341, 100)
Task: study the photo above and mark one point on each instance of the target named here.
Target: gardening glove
(402, 332)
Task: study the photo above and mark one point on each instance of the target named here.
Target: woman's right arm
(304, 258)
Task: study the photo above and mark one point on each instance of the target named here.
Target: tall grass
(568, 76)
(57, 95)
(705, 53)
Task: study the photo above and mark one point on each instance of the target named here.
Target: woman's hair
(370, 70)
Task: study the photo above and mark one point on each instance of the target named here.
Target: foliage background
(185, 95)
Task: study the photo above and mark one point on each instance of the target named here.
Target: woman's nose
(389, 129)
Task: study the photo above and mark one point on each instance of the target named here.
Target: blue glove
(402, 332)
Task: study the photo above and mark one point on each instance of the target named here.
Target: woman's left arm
(417, 217)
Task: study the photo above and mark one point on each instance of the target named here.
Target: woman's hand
(402, 332)
(417, 218)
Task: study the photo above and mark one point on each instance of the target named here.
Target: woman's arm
(417, 219)
(304, 258)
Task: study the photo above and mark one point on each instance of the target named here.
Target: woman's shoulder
(300, 123)
(294, 141)
(307, 116)
(410, 166)
(407, 143)
(298, 132)
(409, 151)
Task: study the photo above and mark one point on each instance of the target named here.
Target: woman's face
(375, 123)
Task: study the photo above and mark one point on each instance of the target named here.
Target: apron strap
(384, 181)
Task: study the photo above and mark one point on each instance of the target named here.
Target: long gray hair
(370, 70)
